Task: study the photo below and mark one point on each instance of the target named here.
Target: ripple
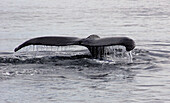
(97, 76)
(150, 85)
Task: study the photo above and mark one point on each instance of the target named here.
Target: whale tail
(49, 41)
(94, 43)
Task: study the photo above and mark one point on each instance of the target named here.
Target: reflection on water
(74, 76)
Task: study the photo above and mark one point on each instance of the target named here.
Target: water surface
(75, 77)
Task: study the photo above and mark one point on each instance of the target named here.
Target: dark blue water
(74, 77)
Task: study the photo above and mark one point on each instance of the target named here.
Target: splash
(117, 53)
(111, 53)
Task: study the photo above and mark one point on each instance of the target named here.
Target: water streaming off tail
(117, 53)
(39, 48)
(113, 53)
(42, 50)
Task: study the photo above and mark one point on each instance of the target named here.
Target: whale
(94, 43)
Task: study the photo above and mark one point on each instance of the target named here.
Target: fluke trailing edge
(94, 43)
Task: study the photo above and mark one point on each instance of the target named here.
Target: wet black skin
(94, 43)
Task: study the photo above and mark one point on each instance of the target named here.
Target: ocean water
(54, 75)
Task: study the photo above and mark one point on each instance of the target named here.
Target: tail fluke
(94, 43)
(111, 41)
(50, 41)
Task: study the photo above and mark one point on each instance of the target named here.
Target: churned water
(60, 76)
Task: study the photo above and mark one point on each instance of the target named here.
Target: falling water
(117, 53)
(39, 48)
(42, 50)
(113, 53)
